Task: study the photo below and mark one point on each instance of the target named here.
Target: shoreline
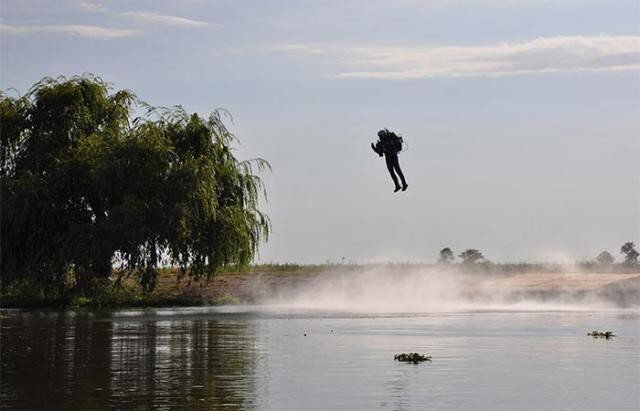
(621, 290)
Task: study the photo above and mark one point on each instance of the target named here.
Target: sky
(521, 118)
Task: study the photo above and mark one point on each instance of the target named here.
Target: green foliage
(414, 358)
(602, 334)
(227, 299)
(446, 256)
(605, 258)
(85, 185)
(630, 253)
(471, 256)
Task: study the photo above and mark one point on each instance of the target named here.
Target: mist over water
(421, 291)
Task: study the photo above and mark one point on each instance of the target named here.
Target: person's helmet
(382, 132)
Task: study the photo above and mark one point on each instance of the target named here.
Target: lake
(274, 358)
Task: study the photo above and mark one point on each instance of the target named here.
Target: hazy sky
(522, 117)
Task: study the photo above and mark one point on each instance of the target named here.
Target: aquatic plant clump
(601, 334)
(412, 358)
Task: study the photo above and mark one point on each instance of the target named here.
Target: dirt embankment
(621, 290)
(243, 287)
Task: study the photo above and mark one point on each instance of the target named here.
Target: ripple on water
(245, 357)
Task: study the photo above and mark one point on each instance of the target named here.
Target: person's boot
(404, 186)
(397, 189)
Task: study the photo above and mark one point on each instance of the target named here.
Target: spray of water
(384, 290)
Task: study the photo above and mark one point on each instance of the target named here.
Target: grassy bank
(258, 282)
(484, 267)
(113, 294)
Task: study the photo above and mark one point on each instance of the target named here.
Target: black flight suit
(388, 146)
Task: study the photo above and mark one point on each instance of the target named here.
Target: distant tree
(85, 185)
(630, 253)
(471, 256)
(446, 256)
(605, 258)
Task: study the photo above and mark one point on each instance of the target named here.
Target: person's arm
(377, 149)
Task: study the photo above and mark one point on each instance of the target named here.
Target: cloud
(302, 48)
(92, 7)
(491, 3)
(71, 29)
(541, 55)
(145, 17)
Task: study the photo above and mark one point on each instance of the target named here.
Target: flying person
(389, 144)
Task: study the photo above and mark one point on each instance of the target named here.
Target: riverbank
(386, 286)
(286, 283)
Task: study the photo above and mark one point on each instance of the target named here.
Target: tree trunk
(101, 253)
(101, 265)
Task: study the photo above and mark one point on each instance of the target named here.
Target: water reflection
(81, 361)
(215, 358)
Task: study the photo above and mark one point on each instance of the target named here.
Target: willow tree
(85, 185)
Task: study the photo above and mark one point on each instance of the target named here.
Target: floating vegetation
(601, 334)
(411, 357)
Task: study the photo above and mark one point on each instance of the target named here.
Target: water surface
(275, 359)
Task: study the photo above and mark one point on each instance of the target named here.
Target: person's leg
(389, 159)
(396, 166)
